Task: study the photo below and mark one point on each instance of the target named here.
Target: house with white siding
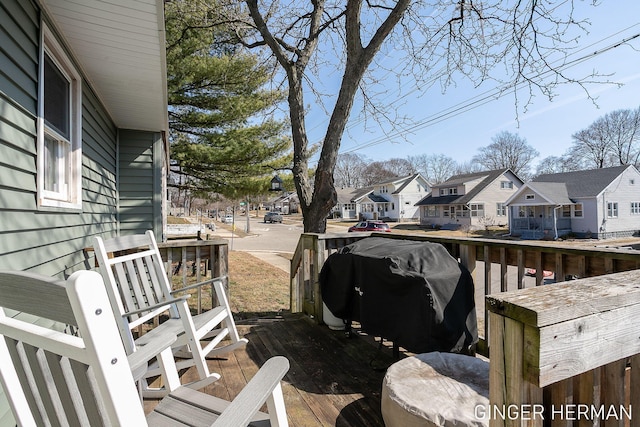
(598, 203)
(391, 200)
(346, 207)
(471, 200)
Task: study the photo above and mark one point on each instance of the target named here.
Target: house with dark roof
(392, 200)
(598, 203)
(471, 200)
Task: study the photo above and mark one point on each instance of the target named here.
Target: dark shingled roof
(489, 177)
(406, 182)
(587, 183)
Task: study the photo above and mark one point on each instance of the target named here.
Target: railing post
(566, 344)
(317, 292)
(503, 270)
(520, 261)
(506, 373)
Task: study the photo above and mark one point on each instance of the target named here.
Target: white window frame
(501, 209)
(506, 185)
(635, 208)
(578, 208)
(431, 211)
(612, 210)
(69, 196)
(530, 196)
(476, 209)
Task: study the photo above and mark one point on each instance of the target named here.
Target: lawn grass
(256, 288)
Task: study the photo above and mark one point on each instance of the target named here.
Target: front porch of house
(337, 381)
(538, 222)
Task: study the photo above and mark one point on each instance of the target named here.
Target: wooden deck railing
(566, 354)
(497, 265)
(195, 261)
(191, 261)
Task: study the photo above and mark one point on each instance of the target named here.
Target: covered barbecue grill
(412, 293)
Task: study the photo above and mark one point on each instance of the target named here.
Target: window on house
(577, 210)
(612, 210)
(566, 211)
(59, 128)
(432, 211)
(632, 181)
(443, 191)
(477, 210)
(445, 211)
(635, 208)
(522, 212)
(529, 196)
(501, 209)
(453, 191)
(506, 184)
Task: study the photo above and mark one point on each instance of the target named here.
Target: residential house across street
(392, 200)
(597, 203)
(471, 200)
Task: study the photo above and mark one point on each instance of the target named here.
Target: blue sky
(547, 126)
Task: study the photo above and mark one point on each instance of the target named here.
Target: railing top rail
(543, 306)
(192, 243)
(542, 246)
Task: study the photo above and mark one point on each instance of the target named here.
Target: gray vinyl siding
(140, 183)
(48, 241)
(592, 217)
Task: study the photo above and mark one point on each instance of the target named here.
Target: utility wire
(489, 95)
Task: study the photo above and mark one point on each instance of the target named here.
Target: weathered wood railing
(196, 258)
(193, 261)
(566, 354)
(509, 259)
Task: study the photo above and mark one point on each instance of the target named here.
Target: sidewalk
(273, 258)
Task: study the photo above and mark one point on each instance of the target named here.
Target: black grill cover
(412, 293)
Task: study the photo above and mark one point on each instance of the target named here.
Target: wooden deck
(333, 380)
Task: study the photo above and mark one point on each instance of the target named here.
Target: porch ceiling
(120, 45)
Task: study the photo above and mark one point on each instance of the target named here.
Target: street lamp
(276, 184)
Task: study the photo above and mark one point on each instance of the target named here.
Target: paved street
(267, 241)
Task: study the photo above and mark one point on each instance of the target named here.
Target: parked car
(532, 272)
(370, 226)
(273, 217)
(228, 219)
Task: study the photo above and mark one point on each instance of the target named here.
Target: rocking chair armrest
(197, 285)
(138, 359)
(255, 393)
(152, 307)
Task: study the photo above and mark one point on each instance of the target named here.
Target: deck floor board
(332, 380)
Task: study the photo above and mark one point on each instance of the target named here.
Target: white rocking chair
(139, 290)
(53, 378)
